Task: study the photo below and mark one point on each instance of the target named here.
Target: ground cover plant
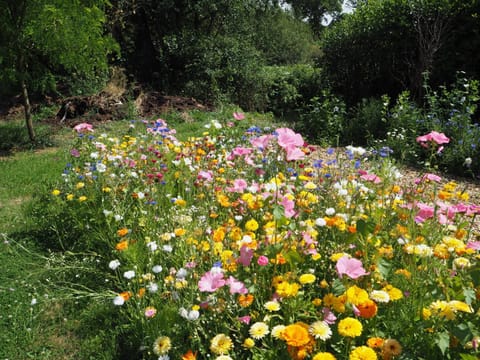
(245, 243)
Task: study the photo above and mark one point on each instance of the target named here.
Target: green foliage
(289, 88)
(450, 111)
(323, 119)
(42, 40)
(384, 47)
(365, 122)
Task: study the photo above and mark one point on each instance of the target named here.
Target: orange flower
(368, 309)
(126, 295)
(122, 232)
(296, 335)
(245, 300)
(189, 355)
(141, 292)
(375, 342)
(122, 245)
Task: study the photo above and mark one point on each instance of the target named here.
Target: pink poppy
(236, 286)
(238, 116)
(288, 138)
(288, 205)
(83, 127)
(425, 212)
(429, 177)
(434, 136)
(205, 175)
(261, 142)
(211, 281)
(372, 178)
(351, 267)
(294, 153)
(246, 255)
(239, 186)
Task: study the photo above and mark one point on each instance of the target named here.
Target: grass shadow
(14, 137)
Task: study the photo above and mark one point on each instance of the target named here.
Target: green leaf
(364, 227)
(337, 287)
(443, 341)
(293, 257)
(384, 267)
(469, 294)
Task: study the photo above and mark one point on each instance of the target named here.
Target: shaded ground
(103, 107)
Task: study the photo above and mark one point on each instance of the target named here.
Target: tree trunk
(28, 111)
(26, 99)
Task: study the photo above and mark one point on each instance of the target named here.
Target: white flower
(33, 302)
(114, 264)
(152, 245)
(320, 222)
(330, 211)
(118, 300)
(167, 248)
(101, 167)
(157, 269)
(94, 155)
(152, 287)
(320, 330)
(130, 274)
(380, 296)
(468, 162)
(118, 217)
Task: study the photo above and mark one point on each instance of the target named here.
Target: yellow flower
(251, 225)
(307, 279)
(324, 356)
(180, 231)
(70, 197)
(272, 306)
(248, 343)
(82, 198)
(317, 302)
(426, 313)
(162, 345)
(356, 295)
(56, 192)
(80, 185)
(350, 327)
(221, 344)
(393, 292)
(286, 289)
(363, 353)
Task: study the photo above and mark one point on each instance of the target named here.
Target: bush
(450, 111)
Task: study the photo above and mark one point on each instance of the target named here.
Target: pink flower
(211, 281)
(239, 186)
(436, 137)
(474, 245)
(288, 138)
(246, 255)
(244, 319)
(351, 267)
(262, 260)
(205, 175)
(425, 212)
(429, 177)
(328, 316)
(261, 141)
(150, 312)
(236, 286)
(289, 206)
(238, 116)
(294, 153)
(83, 127)
(372, 178)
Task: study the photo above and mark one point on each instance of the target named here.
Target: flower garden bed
(243, 243)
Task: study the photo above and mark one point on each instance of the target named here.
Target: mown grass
(39, 319)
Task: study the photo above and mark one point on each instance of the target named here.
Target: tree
(314, 11)
(40, 39)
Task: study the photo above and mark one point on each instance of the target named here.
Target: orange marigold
(368, 309)
(296, 335)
